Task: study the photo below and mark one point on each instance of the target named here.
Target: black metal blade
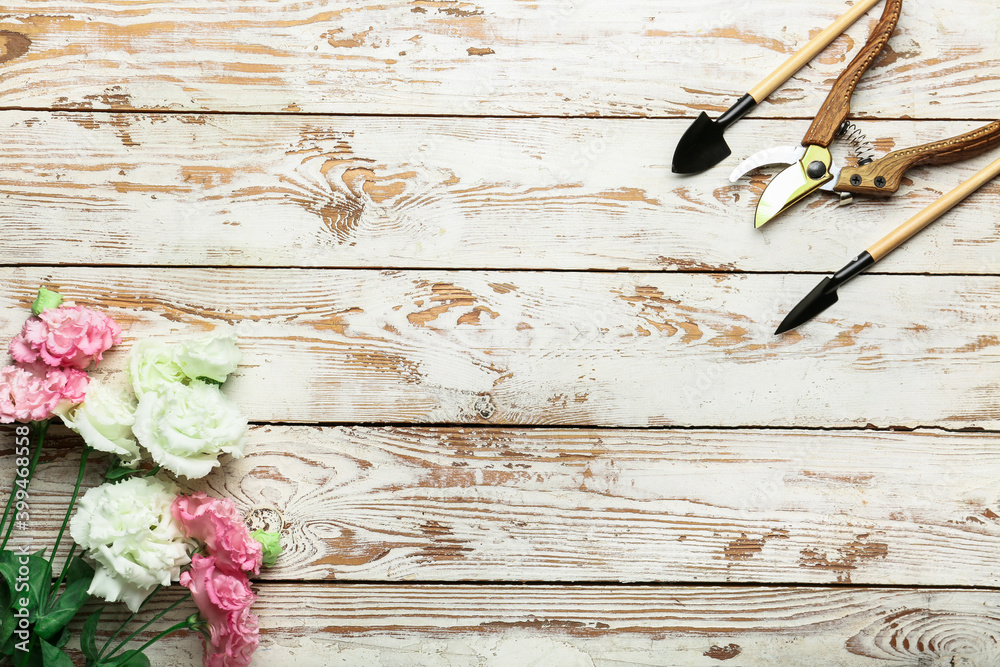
(822, 297)
(701, 147)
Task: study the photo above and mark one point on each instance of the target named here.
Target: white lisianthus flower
(213, 357)
(105, 419)
(131, 537)
(153, 365)
(186, 427)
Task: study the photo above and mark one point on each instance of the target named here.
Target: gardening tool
(811, 168)
(825, 294)
(703, 145)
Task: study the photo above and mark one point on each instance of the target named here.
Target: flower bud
(271, 541)
(46, 299)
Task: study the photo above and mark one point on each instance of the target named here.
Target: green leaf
(52, 656)
(7, 621)
(33, 657)
(130, 659)
(8, 570)
(63, 611)
(78, 569)
(119, 472)
(39, 581)
(34, 586)
(88, 643)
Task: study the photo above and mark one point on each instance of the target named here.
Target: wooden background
(515, 394)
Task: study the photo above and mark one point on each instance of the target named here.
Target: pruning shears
(811, 166)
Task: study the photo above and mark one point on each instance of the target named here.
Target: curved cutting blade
(775, 155)
(793, 184)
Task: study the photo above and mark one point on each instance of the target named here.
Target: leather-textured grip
(883, 176)
(838, 103)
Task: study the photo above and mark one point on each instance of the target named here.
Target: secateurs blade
(812, 167)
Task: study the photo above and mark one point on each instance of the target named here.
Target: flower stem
(62, 529)
(144, 626)
(10, 502)
(72, 503)
(62, 574)
(40, 428)
(174, 628)
(129, 620)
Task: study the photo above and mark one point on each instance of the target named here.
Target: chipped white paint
(616, 349)
(454, 57)
(455, 193)
(608, 626)
(766, 506)
(431, 344)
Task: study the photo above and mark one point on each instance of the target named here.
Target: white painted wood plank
(499, 57)
(498, 626)
(456, 193)
(446, 504)
(612, 349)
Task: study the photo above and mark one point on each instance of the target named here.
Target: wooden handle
(883, 176)
(899, 235)
(838, 103)
(809, 51)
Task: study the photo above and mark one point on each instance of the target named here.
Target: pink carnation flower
(32, 392)
(71, 336)
(223, 598)
(215, 522)
(239, 644)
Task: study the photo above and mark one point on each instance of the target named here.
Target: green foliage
(63, 610)
(7, 621)
(128, 659)
(53, 656)
(88, 636)
(120, 472)
(28, 579)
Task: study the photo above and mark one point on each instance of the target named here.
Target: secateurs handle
(883, 176)
(838, 103)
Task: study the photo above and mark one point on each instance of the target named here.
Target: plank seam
(194, 112)
(417, 269)
(541, 583)
(604, 427)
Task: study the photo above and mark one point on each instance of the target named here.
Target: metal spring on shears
(863, 148)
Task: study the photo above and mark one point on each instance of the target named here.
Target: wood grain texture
(359, 174)
(605, 626)
(445, 504)
(810, 50)
(918, 222)
(612, 349)
(469, 58)
(457, 193)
